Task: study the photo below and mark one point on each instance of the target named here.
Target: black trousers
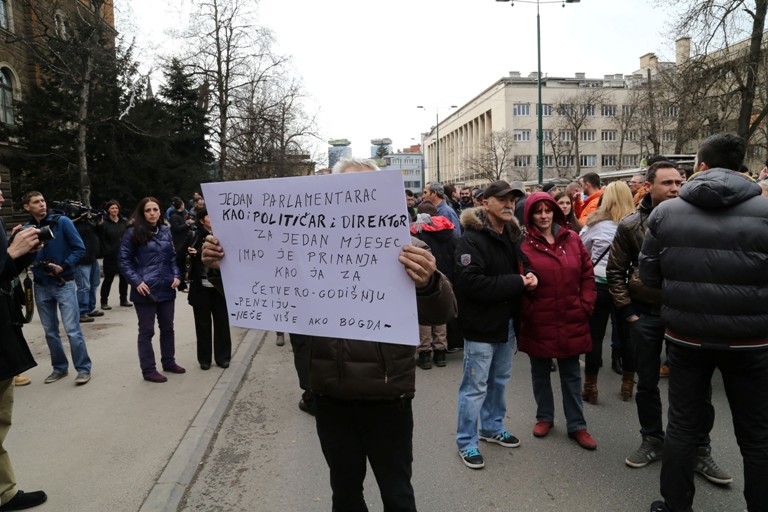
(598, 323)
(106, 286)
(212, 318)
(381, 431)
(301, 357)
(745, 377)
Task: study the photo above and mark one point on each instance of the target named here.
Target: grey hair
(345, 163)
(437, 188)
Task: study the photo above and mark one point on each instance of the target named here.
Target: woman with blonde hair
(597, 235)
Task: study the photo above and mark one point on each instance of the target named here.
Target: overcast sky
(366, 65)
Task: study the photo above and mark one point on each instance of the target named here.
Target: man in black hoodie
(707, 251)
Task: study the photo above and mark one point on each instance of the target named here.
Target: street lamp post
(540, 108)
(437, 137)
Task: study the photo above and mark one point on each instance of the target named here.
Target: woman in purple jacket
(148, 260)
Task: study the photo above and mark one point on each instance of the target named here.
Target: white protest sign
(317, 255)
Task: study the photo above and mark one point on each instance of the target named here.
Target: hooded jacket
(590, 205)
(366, 370)
(555, 321)
(487, 276)
(708, 250)
(438, 233)
(629, 293)
(153, 263)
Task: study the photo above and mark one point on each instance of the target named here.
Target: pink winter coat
(555, 319)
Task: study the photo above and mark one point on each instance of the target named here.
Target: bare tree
(720, 23)
(626, 122)
(495, 156)
(575, 113)
(231, 51)
(69, 41)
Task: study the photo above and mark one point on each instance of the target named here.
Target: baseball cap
(501, 188)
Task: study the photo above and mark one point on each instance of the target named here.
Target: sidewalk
(107, 445)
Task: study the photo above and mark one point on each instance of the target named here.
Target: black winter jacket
(15, 356)
(487, 277)
(629, 293)
(366, 370)
(708, 252)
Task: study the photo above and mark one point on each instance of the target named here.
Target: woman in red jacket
(555, 320)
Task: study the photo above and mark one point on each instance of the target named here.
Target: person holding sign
(148, 261)
(363, 389)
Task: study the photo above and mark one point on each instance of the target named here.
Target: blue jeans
(487, 370)
(87, 279)
(47, 297)
(570, 384)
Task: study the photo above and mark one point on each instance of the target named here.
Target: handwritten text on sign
(317, 255)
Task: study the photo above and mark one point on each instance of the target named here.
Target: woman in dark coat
(111, 232)
(555, 321)
(148, 261)
(208, 303)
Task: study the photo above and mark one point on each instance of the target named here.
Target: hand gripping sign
(317, 255)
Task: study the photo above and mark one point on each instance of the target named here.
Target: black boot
(425, 360)
(24, 500)
(616, 365)
(439, 358)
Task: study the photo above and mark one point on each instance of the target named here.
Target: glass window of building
(587, 135)
(549, 161)
(587, 160)
(522, 161)
(4, 14)
(6, 96)
(588, 110)
(565, 135)
(521, 109)
(630, 135)
(668, 136)
(608, 135)
(546, 109)
(522, 135)
(609, 160)
(629, 160)
(608, 110)
(546, 134)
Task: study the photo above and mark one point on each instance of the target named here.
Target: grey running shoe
(650, 450)
(82, 378)
(707, 467)
(53, 377)
(280, 340)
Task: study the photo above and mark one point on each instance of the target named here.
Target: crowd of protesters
(541, 272)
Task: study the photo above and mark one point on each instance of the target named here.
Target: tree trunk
(82, 132)
(745, 126)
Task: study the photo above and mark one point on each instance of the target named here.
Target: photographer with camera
(15, 356)
(54, 273)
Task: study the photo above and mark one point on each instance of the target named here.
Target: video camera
(76, 210)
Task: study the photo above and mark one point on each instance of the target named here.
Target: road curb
(168, 491)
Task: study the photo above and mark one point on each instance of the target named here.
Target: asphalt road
(266, 456)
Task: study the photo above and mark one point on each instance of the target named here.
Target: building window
(587, 160)
(630, 135)
(609, 160)
(4, 14)
(608, 135)
(546, 135)
(668, 136)
(608, 110)
(6, 96)
(587, 135)
(629, 160)
(627, 110)
(522, 161)
(565, 109)
(546, 109)
(521, 109)
(566, 160)
(549, 161)
(61, 22)
(565, 136)
(670, 112)
(588, 110)
(522, 135)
